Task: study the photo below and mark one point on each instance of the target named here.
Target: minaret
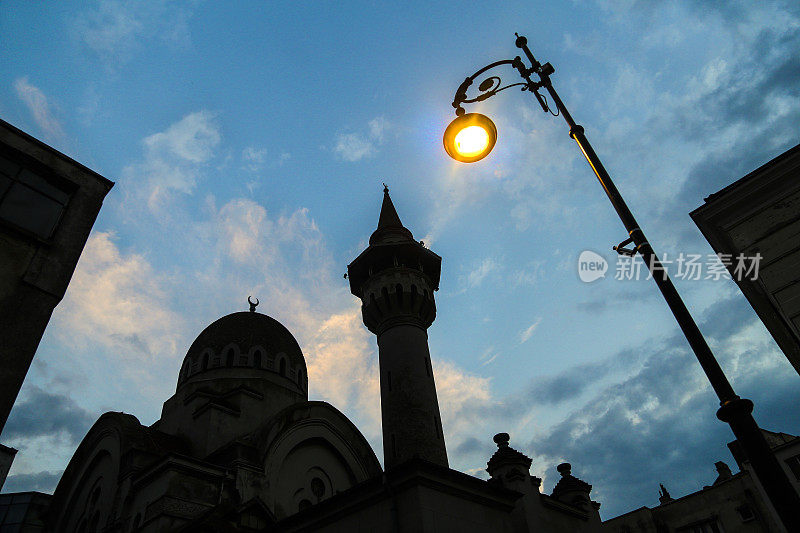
(395, 278)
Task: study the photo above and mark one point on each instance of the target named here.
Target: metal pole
(737, 412)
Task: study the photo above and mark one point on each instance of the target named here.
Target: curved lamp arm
(491, 85)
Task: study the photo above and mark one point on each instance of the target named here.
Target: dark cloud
(473, 446)
(658, 423)
(42, 413)
(134, 342)
(660, 426)
(40, 481)
(727, 316)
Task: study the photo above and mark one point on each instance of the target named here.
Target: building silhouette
(239, 447)
(48, 204)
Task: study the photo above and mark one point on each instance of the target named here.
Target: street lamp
(737, 412)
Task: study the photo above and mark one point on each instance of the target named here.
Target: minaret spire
(395, 278)
(389, 226)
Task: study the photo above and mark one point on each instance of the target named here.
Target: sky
(249, 142)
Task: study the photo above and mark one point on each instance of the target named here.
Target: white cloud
(356, 146)
(114, 29)
(111, 29)
(479, 273)
(527, 332)
(192, 138)
(39, 106)
(172, 161)
(118, 301)
(254, 158)
(459, 393)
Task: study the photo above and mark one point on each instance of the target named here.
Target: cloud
(527, 332)
(117, 300)
(111, 29)
(42, 413)
(173, 162)
(478, 274)
(192, 139)
(114, 30)
(40, 481)
(665, 408)
(356, 146)
(39, 106)
(254, 158)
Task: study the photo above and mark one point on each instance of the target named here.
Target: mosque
(239, 447)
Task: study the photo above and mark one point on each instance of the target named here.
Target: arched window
(318, 487)
(229, 357)
(205, 361)
(257, 359)
(282, 367)
(399, 290)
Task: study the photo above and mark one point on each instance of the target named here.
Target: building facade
(48, 204)
(759, 215)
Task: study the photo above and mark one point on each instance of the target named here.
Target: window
(794, 465)
(229, 357)
(257, 359)
(30, 201)
(282, 367)
(318, 487)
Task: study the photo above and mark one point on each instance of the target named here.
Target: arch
(229, 354)
(398, 289)
(282, 367)
(307, 440)
(257, 358)
(205, 361)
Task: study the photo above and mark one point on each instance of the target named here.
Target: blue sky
(249, 141)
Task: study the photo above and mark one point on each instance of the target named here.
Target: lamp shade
(470, 137)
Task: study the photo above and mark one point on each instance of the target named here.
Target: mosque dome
(244, 340)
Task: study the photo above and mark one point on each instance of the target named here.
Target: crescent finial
(252, 305)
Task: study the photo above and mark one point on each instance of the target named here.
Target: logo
(591, 266)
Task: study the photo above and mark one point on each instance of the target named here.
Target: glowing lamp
(470, 137)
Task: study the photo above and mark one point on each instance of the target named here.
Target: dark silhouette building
(239, 447)
(48, 204)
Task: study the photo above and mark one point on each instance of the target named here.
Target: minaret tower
(395, 278)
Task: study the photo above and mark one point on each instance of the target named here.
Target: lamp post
(471, 136)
